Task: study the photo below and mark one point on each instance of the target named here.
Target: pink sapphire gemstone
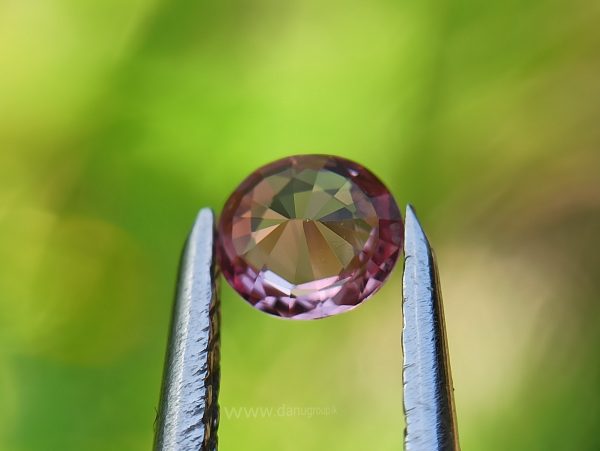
(309, 236)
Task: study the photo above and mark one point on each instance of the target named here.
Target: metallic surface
(188, 412)
(428, 397)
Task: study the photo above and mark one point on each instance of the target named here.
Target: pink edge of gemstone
(309, 236)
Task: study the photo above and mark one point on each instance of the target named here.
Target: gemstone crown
(309, 236)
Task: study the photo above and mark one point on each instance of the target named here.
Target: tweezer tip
(188, 416)
(204, 220)
(428, 400)
(414, 233)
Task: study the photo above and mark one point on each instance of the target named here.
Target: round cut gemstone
(309, 236)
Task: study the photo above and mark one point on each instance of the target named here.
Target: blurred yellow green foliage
(120, 119)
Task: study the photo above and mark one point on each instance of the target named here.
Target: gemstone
(309, 236)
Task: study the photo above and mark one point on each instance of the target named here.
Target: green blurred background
(119, 120)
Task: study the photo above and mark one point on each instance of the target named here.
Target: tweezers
(188, 414)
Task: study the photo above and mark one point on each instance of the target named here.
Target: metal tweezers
(188, 414)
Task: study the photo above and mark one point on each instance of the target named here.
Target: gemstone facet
(309, 236)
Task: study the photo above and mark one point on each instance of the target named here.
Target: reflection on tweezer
(188, 414)
(428, 396)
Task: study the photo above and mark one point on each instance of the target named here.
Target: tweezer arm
(188, 412)
(428, 396)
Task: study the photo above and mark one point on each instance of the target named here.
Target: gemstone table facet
(309, 236)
